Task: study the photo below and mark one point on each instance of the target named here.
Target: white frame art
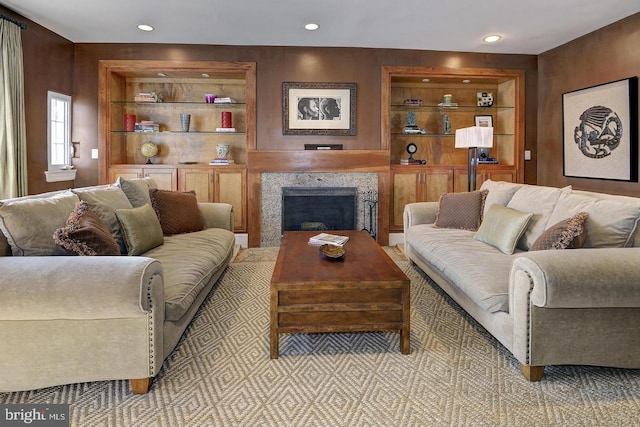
(600, 131)
(342, 96)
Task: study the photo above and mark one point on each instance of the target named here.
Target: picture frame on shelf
(600, 131)
(485, 120)
(318, 108)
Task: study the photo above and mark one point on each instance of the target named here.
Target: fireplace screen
(321, 208)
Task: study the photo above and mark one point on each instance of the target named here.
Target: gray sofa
(547, 307)
(70, 319)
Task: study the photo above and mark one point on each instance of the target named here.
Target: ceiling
(530, 27)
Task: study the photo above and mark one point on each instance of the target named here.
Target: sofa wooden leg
(140, 385)
(532, 373)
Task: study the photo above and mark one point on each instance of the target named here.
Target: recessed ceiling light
(466, 81)
(426, 80)
(145, 27)
(161, 74)
(492, 38)
(311, 26)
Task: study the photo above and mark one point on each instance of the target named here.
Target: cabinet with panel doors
(421, 109)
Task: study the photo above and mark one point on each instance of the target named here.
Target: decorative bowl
(332, 251)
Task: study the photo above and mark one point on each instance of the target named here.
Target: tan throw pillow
(502, 227)
(29, 222)
(177, 211)
(86, 234)
(137, 189)
(140, 229)
(566, 234)
(461, 210)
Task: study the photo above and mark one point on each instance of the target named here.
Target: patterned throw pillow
(566, 234)
(86, 234)
(177, 211)
(461, 210)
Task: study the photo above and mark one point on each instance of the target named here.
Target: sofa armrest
(217, 215)
(77, 287)
(420, 213)
(578, 278)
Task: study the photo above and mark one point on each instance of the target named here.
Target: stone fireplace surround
(271, 199)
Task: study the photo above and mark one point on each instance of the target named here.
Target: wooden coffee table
(365, 291)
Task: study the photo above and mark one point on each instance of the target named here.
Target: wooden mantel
(283, 161)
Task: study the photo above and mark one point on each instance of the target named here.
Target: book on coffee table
(328, 239)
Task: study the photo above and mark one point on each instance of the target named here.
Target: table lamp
(472, 138)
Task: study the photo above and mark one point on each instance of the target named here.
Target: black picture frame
(318, 108)
(600, 131)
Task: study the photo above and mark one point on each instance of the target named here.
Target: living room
(52, 62)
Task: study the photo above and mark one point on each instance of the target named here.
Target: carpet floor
(456, 375)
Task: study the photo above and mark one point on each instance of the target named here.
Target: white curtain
(13, 141)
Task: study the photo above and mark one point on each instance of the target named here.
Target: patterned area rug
(456, 374)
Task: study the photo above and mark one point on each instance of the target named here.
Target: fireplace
(319, 208)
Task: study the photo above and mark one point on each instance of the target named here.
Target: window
(59, 137)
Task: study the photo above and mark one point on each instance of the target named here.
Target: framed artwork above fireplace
(318, 108)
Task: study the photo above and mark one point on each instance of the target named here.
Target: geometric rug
(456, 375)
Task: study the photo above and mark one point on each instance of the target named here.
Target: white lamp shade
(474, 136)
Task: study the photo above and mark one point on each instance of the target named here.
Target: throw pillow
(502, 227)
(140, 228)
(500, 192)
(29, 222)
(137, 189)
(461, 210)
(86, 234)
(566, 234)
(177, 211)
(104, 200)
(611, 223)
(540, 201)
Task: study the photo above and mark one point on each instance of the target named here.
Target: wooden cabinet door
(198, 180)
(128, 173)
(435, 183)
(230, 188)
(406, 189)
(165, 178)
(502, 175)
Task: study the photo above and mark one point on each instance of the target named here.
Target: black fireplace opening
(319, 208)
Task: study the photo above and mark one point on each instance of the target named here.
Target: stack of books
(147, 126)
(148, 97)
(412, 162)
(225, 129)
(328, 239)
(224, 100)
(218, 161)
(413, 102)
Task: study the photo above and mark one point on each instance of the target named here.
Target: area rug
(456, 375)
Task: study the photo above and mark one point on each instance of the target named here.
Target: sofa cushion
(540, 201)
(104, 200)
(140, 228)
(566, 234)
(137, 189)
(86, 234)
(29, 223)
(177, 211)
(479, 270)
(500, 193)
(611, 223)
(189, 261)
(461, 210)
(502, 228)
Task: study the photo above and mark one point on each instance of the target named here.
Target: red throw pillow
(86, 234)
(177, 211)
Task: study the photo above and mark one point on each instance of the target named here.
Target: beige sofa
(547, 307)
(70, 319)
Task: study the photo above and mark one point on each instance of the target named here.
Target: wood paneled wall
(609, 54)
